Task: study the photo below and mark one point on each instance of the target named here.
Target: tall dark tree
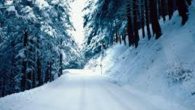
(129, 24)
(61, 58)
(183, 10)
(147, 16)
(143, 18)
(24, 62)
(39, 72)
(124, 38)
(61, 64)
(170, 8)
(154, 19)
(163, 9)
(38, 62)
(48, 72)
(135, 22)
(2, 86)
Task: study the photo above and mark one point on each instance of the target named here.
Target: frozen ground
(79, 90)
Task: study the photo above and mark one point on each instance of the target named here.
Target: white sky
(77, 19)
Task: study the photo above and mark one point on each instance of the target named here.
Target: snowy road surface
(81, 91)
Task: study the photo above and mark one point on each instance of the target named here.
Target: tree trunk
(136, 34)
(147, 16)
(154, 19)
(129, 24)
(24, 63)
(163, 8)
(48, 73)
(143, 19)
(2, 87)
(170, 8)
(124, 38)
(61, 65)
(39, 72)
(183, 10)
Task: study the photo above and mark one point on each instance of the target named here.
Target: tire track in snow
(121, 95)
(92, 95)
(103, 100)
(116, 98)
(83, 103)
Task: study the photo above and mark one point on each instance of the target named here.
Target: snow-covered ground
(164, 67)
(158, 75)
(79, 90)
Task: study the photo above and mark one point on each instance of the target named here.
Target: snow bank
(164, 67)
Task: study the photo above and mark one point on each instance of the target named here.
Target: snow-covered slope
(165, 67)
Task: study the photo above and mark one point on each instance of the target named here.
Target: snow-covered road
(81, 91)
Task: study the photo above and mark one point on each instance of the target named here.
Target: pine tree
(143, 18)
(24, 62)
(124, 38)
(27, 56)
(129, 24)
(2, 85)
(163, 9)
(147, 16)
(61, 58)
(170, 8)
(61, 64)
(39, 72)
(39, 63)
(48, 72)
(135, 22)
(154, 18)
(183, 10)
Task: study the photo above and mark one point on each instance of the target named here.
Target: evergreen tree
(154, 18)
(135, 22)
(147, 13)
(143, 18)
(138, 14)
(129, 23)
(183, 10)
(170, 8)
(30, 49)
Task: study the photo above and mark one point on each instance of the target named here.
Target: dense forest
(117, 21)
(36, 44)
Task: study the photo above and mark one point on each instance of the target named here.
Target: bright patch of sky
(77, 19)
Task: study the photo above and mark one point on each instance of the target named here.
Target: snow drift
(164, 67)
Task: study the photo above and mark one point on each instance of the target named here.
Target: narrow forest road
(74, 91)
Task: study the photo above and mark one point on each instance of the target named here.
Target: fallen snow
(164, 67)
(79, 90)
(134, 79)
